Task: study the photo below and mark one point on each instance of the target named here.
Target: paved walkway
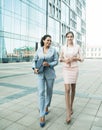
(18, 99)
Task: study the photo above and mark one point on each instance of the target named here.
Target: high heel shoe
(46, 111)
(68, 120)
(71, 111)
(42, 121)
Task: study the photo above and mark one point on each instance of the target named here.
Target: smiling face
(47, 42)
(70, 37)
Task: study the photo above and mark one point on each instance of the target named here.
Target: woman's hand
(67, 61)
(74, 58)
(36, 71)
(70, 59)
(45, 63)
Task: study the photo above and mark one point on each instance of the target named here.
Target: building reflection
(24, 22)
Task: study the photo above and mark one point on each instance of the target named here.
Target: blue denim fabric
(45, 90)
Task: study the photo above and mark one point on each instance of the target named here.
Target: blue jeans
(45, 90)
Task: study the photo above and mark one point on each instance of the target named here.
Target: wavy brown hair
(43, 38)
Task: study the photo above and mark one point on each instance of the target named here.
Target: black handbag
(39, 65)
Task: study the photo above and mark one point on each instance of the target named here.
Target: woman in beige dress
(70, 55)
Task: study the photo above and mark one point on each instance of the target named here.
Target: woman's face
(47, 42)
(70, 37)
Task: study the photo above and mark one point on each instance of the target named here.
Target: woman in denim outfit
(47, 77)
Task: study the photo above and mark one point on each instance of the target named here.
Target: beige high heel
(68, 120)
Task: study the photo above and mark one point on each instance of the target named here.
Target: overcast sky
(94, 22)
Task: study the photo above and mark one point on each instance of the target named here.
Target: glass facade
(24, 22)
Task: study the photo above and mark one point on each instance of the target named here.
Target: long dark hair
(43, 38)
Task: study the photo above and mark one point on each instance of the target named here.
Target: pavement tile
(14, 116)
(26, 120)
(98, 122)
(90, 111)
(19, 100)
(5, 113)
(85, 117)
(96, 128)
(4, 123)
(16, 126)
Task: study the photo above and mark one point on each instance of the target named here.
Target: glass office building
(24, 22)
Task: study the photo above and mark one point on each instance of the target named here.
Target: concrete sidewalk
(19, 105)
